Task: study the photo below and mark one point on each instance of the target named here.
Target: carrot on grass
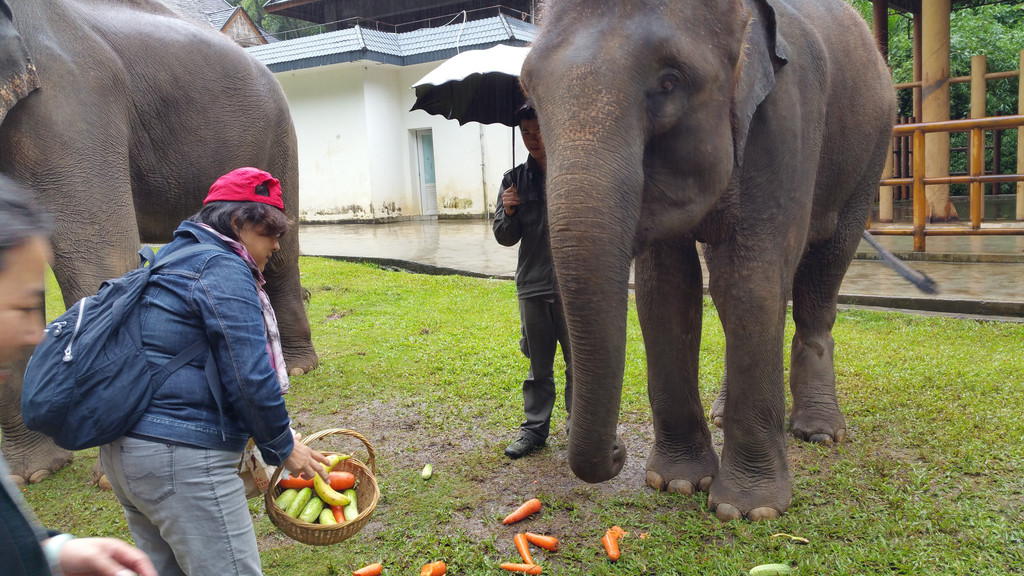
(549, 543)
(525, 568)
(610, 540)
(531, 506)
(370, 570)
(434, 569)
(523, 545)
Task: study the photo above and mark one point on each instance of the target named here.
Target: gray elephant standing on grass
(120, 116)
(756, 127)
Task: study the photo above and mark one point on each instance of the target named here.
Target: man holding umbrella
(521, 217)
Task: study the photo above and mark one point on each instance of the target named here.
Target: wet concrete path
(976, 275)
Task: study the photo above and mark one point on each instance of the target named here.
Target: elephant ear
(764, 53)
(17, 73)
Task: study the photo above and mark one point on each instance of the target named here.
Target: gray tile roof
(402, 49)
(210, 12)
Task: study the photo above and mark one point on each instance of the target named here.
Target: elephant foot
(300, 360)
(752, 492)
(821, 426)
(38, 463)
(99, 477)
(682, 476)
(717, 412)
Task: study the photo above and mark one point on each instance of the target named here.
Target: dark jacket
(529, 227)
(21, 537)
(211, 295)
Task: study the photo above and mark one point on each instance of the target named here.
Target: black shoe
(521, 447)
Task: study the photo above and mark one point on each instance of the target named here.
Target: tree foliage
(997, 31)
(280, 27)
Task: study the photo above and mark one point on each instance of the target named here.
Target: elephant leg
(31, 456)
(669, 303)
(816, 416)
(753, 480)
(717, 412)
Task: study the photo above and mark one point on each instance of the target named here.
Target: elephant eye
(668, 82)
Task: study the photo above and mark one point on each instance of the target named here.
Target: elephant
(756, 128)
(119, 116)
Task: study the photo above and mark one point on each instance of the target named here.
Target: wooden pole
(917, 67)
(979, 103)
(885, 193)
(977, 153)
(880, 22)
(919, 199)
(935, 105)
(1020, 138)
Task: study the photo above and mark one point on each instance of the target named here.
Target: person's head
(24, 253)
(246, 205)
(529, 127)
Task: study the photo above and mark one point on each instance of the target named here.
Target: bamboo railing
(975, 179)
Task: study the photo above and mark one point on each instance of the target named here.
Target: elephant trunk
(594, 195)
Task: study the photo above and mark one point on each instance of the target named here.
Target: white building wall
(357, 153)
(326, 105)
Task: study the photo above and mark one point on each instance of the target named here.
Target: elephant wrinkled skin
(136, 114)
(758, 128)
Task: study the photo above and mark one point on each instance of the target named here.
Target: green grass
(929, 480)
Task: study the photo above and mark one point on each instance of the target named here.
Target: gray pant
(185, 507)
(543, 328)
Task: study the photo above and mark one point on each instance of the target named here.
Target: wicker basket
(367, 494)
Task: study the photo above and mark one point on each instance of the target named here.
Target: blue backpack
(88, 381)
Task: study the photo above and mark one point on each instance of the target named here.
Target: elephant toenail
(841, 435)
(719, 422)
(823, 439)
(654, 480)
(38, 476)
(680, 486)
(705, 483)
(296, 372)
(763, 513)
(727, 512)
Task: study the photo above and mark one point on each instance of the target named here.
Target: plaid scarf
(274, 349)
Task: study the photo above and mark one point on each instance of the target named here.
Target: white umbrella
(475, 86)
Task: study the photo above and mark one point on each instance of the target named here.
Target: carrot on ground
(549, 543)
(610, 540)
(434, 569)
(525, 568)
(523, 545)
(531, 506)
(370, 570)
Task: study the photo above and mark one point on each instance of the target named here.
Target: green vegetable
(286, 497)
(312, 510)
(350, 509)
(771, 570)
(327, 517)
(428, 471)
(300, 501)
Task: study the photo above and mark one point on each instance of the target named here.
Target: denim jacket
(211, 295)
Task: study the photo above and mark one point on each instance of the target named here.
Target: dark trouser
(543, 326)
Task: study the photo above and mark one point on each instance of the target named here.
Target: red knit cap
(247, 185)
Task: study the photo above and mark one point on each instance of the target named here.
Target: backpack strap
(147, 256)
(155, 261)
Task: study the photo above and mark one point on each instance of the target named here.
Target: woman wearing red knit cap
(176, 471)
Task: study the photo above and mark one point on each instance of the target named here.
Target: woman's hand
(103, 557)
(305, 461)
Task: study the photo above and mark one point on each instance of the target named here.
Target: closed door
(428, 182)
